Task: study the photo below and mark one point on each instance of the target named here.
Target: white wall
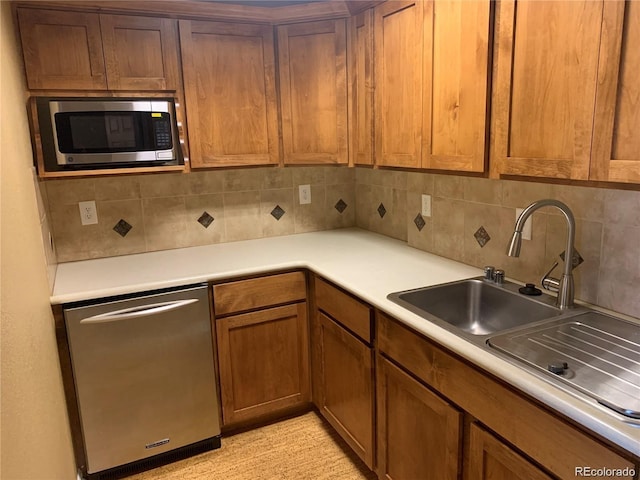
(35, 438)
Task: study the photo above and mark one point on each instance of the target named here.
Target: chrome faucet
(564, 286)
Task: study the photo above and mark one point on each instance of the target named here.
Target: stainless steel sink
(477, 306)
(583, 352)
(594, 353)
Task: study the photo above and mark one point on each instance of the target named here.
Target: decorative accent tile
(482, 237)
(122, 228)
(577, 258)
(381, 210)
(419, 221)
(205, 219)
(277, 212)
(341, 206)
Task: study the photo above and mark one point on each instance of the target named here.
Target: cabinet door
(264, 362)
(361, 84)
(229, 75)
(398, 37)
(490, 459)
(419, 434)
(313, 92)
(545, 87)
(456, 67)
(140, 52)
(62, 50)
(616, 143)
(346, 398)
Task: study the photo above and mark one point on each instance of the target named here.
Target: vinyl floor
(300, 448)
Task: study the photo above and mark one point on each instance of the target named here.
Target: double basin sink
(579, 349)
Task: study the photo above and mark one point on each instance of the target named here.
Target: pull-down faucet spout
(565, 285)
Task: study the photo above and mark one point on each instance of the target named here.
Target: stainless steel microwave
(104, 132)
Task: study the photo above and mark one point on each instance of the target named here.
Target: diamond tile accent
(419, 221)
(341, 205)
(205, 219)
(382, 211)
(277, 212)
(122, 228)
(577, 258)
(482, 237)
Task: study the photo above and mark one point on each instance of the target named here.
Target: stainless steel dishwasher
(144, 375)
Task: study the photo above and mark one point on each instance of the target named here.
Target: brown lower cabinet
(491, 459)
(416, 420)
(409, 408)
(419, 434)
(343, 363)
(263, 354)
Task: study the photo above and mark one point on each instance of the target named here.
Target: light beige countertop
(367, 264)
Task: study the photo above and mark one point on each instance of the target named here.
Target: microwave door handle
(138, 312)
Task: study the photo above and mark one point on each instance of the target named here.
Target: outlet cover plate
(426, 206)
(304, 192)
(88, 213)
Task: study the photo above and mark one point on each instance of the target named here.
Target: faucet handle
(498, 277)
(550, 283)
(489, 272)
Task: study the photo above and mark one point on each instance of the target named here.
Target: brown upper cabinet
(616, 142)
(565, 95)
(90, 51)
(545, 86)
(361, 87)
(456, 71)
(229, 75)
(398, 38)
(431, 77)
(313, 92)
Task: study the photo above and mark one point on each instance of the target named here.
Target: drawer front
(255, 293)
(351, 313)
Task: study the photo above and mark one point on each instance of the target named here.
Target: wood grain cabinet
(542, 436)
(419, 434)
(456, 63)
(616, 137)
(361, 87)
(313, 92)
(431, 77)
(545, 87)
(230, 89)
(343, 361)
(90, 51)
(491, 459)
(263, 346)
(565, 95)
(399, 39)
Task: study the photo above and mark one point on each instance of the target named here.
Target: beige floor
(300, 448)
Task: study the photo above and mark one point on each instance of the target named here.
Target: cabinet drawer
(353, 314)
(260, 292)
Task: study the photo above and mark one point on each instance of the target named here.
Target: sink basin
(476, 306)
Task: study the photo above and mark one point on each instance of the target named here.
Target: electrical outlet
(526, 231)
(426, 205)
(88, 213)
(304, 192)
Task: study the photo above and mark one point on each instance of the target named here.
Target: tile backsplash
(144, 213)
(472, 218)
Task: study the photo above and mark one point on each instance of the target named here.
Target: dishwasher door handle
(137, 312)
